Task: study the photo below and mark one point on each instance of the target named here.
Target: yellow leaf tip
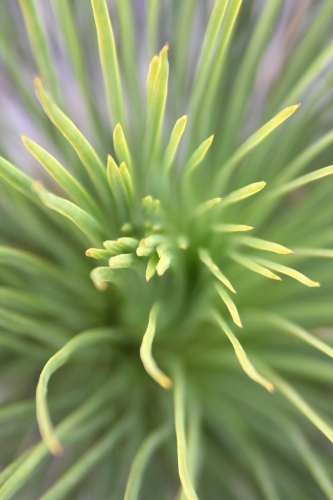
(37, 81)
(149, 277)
(165, 382)
(164, 49)
(56, 449)
(287, 251)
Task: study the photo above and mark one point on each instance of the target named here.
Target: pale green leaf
(198, 156)
(120, 261)
(268, 246)
(141, 459)
(121, 147)
(146, 351)
(109, 61)
(39, 45)
(85, 222)
(173, 144)
(44, 420)
(84, 150)
(100, 277)
(207, 260)
(242, 193)
(230, 305)
(288, 271)
(179, 405)
(297, 400)
(300, 181)
(253, 266)
(250, 143)
(151, 266)
(244, 361)
(61, 175)
(230, 228)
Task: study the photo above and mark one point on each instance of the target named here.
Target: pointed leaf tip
(244, 192)
(288, 271)
(197, 157)
(260, 244)
(291, 109)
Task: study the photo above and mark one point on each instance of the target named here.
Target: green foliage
(130, 285)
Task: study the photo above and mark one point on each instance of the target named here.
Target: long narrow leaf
(84, 150)
(16, 178)
(230, 305)
(253, 266)
(260, 244)
(250, 143)
(300, 181)
(158, 102)
(40, 46)
(109, 61)
(296, 400)
(88, 225)
(244, 361)
(146, 450)
(179, 405)
(44, 421)
(61, 175)
(288, 271)
(173, 145)
(197, 157)
(146, 352)
(94, 455)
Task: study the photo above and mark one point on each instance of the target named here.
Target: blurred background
(22, 113)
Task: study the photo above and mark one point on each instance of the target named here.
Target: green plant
(141, 256)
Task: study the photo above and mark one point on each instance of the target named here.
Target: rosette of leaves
(165, 305)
